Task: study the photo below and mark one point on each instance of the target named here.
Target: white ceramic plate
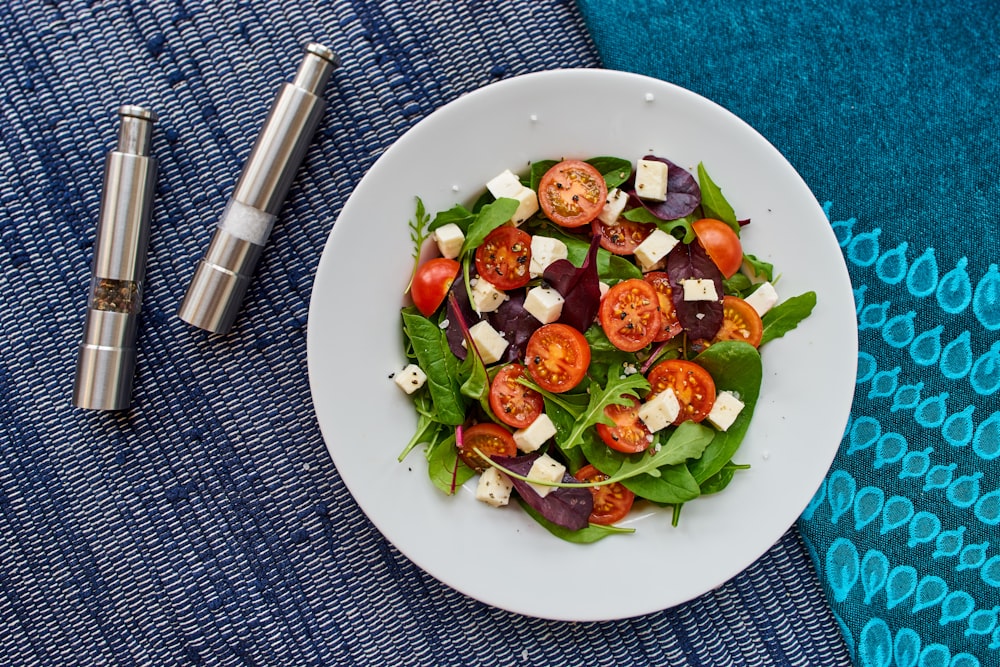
(500, 556)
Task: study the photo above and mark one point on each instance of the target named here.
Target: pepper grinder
(215, 295)
(106, 360)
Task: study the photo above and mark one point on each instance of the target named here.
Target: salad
(586, 338)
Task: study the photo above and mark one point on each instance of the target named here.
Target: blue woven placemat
(888, 110)
(207, 525)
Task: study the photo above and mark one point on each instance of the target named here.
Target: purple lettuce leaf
(701, 319)
(564, 506)
(683, 192)
(580, 287)
(454, 333)
(515, 323)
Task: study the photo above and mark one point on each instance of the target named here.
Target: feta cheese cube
(494, 488)
(504, 184)
(656, 246)
(651, 180)
(763, 298)
(449, 239)
(604, 287)
(486, 297)
(545, 469)
(725, 410)
(527, 205)
(488, 341)
(544, 251)
(613, 207)
(660, 411)
(544, 303)
(410, 378)
(534, 435)
(699, 289)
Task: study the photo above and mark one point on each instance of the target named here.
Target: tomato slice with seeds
(739, 322)
(671, 326)
(692, 384)
(621, 238)
(630, 314)
(629, 434)
(489, 438)
(612, 502)
(504, 256)
(513, 403)
(557, 356)
(572, 193)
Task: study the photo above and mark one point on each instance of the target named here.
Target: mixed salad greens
(588, 338)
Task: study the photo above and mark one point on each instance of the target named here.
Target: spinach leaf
(735, 366)
(738, 284)
(538, 170)
(487, 219)
(689, 440)
(457, 214)
(614, 169)
(591, 533)
(445, 469)
(429, 429)
(786, 315)
(721, 479)
(435, 358)
(713, 203)
(674, 484)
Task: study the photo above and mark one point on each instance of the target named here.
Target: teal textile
(889, 111)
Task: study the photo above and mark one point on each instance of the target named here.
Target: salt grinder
(221, 278)
(106, 359)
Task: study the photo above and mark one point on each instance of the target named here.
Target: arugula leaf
(418, 234)
(487, 219)
(429, 429)
(761, 270)
(588, 535)
(445, 469)
(713, 203)
(435, 358)
(612, 393)
(786, 315)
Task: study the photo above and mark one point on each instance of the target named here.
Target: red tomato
(513, 403)
(630, 314)
(489, 438)
(692, 384)
(629, 434)
(431, 283)
(572, 193)
(668, 313)
(557, 356)
(739, 322)
(504, 257)
(612, 502)
(721, 243)
(621, 238)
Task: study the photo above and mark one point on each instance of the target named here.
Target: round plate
(500, 556)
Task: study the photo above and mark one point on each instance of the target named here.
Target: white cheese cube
(613, 207)
(544, 303)
(725, 410)
(494, 488)
(656, 246)
(534, 435)
(488, 341)
(699, 289)
(763, 298)
(410, 378)
(544, 251)
(604, 287)
(660, 411)
(486, 297)
(504, 184)
(545, 469)
(651, 180)
(527, 205)
(449, 239)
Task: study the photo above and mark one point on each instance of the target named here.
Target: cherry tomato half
(692, 384)
(513, 403)
(721, 243)
(572, 193)
(504, 257)
(630, 314)
(629, 434)
(557, 356)
(431, 283)
(489, 438)
(612, 502)
(621, 238)
(668, 312)
(739, 322)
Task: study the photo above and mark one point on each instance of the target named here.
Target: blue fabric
(207, 525)
(888, 110)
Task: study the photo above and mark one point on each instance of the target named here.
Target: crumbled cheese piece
(544, 251)
(660, 411)
(534, 435)
(507, 184)
(654, 248)
(699, 289)
(545, 469)
(449, 239)
(725, 410)
(613, 207)
(651, 180)
(763, 298)
(544, 303)
(485, 297)
(410, 378)
(489, 342)
(494, 488)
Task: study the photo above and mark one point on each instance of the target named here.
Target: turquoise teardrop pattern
(922, 278)
(972, 556)
(891, 266)
(957, 358)
(986, 440)
(924, 527)
(949, 543)
(875, 645)
(932, 411)
(899, 331)
(859, 298)
(891, 448)
(874, 571)
(915, 464)
(985, 374)
(935, 655)
(930, 591)
(964, 491)
(842, 567)
(990, 572)
(843, 229)
(939, 476)
(906, 648)
(956, 606)
(884, 383)
(958, 429)
(896, 512)
(868, 504)
(982, 622)
(907, 397)
(863, 248)
(986, 299)
(925, 349)
(954, 292)
(873, 316)
(840, 491)
(867, 367)
(988, 508)
(865, 431)
(899, 585)
(964, 660)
